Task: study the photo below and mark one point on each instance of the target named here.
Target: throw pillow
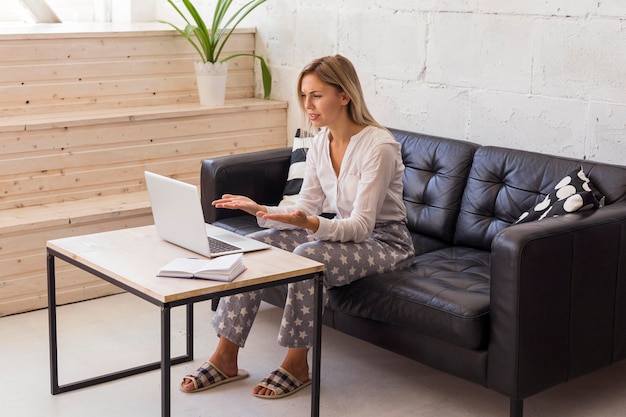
(573, 193)
(297, 168)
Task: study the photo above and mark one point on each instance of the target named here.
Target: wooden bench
(83, 114)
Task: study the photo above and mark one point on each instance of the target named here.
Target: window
(80, 10)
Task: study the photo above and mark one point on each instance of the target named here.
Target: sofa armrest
(259, 175)
(558, 300)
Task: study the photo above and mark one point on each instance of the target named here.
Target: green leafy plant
(209, 41)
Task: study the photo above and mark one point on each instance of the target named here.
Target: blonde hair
(339, 72)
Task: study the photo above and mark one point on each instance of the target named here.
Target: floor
(358, 379)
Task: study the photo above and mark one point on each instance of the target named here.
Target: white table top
(133, 257)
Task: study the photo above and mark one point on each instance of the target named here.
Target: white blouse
(367, 191)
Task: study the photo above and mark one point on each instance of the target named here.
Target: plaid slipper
(210, 376)
(282, 384)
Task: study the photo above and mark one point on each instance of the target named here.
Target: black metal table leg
(190, 331)
(52, 327)
(317, 347)
(516, 407)
(165, 362)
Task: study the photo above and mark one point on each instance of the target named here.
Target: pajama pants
(344, 263)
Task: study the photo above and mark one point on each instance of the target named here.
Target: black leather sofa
(515, 308)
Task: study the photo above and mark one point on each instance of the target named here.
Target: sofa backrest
(435, 174)
(503, 183)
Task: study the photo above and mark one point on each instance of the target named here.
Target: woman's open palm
(239, 202)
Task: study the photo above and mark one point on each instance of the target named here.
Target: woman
(355, 165)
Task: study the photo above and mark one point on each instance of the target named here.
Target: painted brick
(430, 5)
(584, 59)
(540, 124)
(606, 141)
(398, 53)
(310, 39)
(437, 110)
(540, 7)
(480, 51)
(615, 8)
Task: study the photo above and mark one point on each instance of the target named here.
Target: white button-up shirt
(367, 191)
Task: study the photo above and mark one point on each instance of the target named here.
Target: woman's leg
(235, 314)
(295, 361)
(345, 263)
(232, 323)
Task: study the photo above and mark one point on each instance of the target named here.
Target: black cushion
(443, 294)
(243, 225)
(435, 174)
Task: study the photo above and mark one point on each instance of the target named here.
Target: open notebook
(223, 268)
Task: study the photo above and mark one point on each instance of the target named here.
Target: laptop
(179, 220)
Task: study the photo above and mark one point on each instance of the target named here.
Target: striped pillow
(296, 170)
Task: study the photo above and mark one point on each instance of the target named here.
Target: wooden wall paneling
(82, 115)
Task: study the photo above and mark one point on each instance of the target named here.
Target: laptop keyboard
(219, 246)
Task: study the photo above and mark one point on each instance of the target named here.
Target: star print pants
(388, 246)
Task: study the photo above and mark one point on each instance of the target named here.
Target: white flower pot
(211, 81)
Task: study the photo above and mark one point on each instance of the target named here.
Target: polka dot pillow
(573, 193)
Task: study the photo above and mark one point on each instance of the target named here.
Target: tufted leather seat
(443, 294)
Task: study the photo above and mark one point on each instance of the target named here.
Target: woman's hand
(239, 202)
(297, 218)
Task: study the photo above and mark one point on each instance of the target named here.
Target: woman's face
(324, 105)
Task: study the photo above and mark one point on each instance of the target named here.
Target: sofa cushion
(574, 192)
(243, 224)
(435, 174)
(443, 294)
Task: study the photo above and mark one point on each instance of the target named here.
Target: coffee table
(129, 259)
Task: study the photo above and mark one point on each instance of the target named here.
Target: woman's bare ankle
(226, 356)
(296, 363)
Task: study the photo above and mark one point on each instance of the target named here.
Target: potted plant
(209, 42)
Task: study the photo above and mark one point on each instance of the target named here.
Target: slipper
(210, 376)
(282, 384)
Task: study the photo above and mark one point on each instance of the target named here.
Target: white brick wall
(487, 52)
(528, 122)
(581, 58)
(541, 7)
(541, 75)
